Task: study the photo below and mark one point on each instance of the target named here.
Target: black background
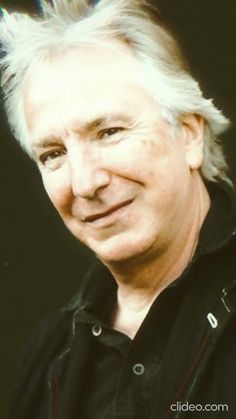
(40, 262)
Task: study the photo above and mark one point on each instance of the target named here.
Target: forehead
(91, 65)
(84, 83)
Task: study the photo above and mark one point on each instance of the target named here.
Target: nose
(86, 171)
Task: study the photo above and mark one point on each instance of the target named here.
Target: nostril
(90, 183)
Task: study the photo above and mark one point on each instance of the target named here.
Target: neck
(140, 281)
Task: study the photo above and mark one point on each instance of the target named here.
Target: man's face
(109, 162)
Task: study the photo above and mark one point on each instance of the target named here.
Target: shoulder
(31, 387)
(52, 331)
(49, 338)
(52, 336)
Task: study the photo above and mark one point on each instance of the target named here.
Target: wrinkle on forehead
(83, 129)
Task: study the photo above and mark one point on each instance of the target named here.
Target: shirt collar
(219, 224)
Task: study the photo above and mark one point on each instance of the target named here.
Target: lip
(104, 215)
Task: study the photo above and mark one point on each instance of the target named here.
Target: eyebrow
(103, 120)
(52, 141)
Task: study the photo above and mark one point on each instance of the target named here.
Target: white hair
(63, 24)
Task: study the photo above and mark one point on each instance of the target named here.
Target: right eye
(50, 156)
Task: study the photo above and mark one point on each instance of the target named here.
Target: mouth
(98, 216)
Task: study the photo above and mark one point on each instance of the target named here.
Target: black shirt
(123, 372)
(75, 366)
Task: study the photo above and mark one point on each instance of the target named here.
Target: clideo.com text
(191, 407)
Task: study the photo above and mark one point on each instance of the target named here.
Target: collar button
(96, 330)
(138, 369)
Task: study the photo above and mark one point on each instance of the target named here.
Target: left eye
(108, 132)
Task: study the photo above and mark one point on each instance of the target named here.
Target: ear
(193, 135)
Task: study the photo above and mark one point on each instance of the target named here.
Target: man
(101, 98)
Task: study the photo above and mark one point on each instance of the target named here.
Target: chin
(118, 250)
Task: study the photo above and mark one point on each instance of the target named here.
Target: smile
(105, 215)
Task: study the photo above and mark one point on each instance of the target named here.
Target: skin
(123, 183)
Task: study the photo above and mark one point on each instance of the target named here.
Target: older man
(101, 98)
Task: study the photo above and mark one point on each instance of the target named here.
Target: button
(212, 320)
(96, 330)
(138, 369)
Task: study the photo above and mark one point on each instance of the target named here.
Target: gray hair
(63, 24)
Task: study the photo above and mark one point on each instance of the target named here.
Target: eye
(108, 132)
(50, 156)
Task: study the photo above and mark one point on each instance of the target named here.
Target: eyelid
(117, 129)
(43, 156)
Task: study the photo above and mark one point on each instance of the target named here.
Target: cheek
(58, 190)
(137, 157)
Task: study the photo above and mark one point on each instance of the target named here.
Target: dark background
(40, 262)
